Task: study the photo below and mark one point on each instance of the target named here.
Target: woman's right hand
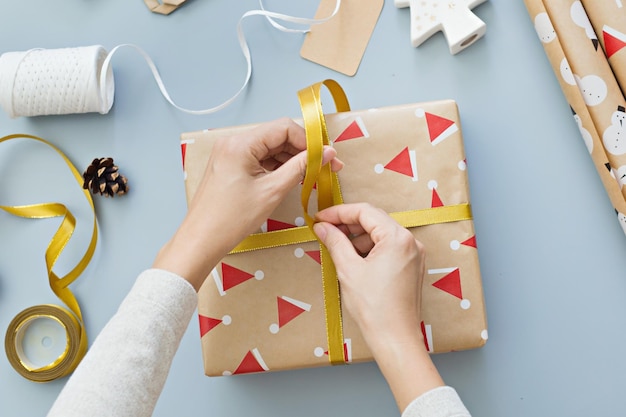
(380, 267)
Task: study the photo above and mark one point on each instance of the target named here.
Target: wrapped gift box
(264, 310)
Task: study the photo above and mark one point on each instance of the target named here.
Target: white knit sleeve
(125, 369)
(438, 402)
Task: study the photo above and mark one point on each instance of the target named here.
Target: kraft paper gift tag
(339, 44)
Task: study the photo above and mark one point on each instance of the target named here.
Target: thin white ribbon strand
(104, 85)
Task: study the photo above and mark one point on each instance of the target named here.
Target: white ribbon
(92, 88)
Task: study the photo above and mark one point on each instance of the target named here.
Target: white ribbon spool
(41, 82)
(56, 81)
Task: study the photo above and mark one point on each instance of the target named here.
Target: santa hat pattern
(405, 162)
(288, 309)
(436, 200)
(271, 225)
(251, 363)
(347, 351)
(470, 242)
(231, 277)
(208, 323)
(450, 283)
(614, 40)
(439, 128)
(183, 151)
(290, 316)
(355, 130)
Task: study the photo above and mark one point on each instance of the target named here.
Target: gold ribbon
(329, 194)
(72, 319)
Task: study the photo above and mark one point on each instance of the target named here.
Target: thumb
(292, 172)
(341, 249)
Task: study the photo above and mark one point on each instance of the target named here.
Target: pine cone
(102, 177)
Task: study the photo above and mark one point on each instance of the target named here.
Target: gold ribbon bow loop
(328, 194)
(73, 322)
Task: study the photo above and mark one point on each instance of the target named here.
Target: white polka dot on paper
(319, 352)
(298, 253)
(227, 373)
(465, 304)
(462, 165)
(420, 112)
(259, 275)
(379, 168)
(299, 221)
(274, 328)
(432, 184)
(226, 320)
(455, 244)
(484, 335)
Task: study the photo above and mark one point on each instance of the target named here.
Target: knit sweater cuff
(438, 402)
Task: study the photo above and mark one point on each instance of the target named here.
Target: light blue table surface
(553, 256)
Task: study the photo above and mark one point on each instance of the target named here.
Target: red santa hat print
(439, 128)
(252, 362)
(435, 200)
(209, 323)
(271, 225)
(288, 309)
(313, 254)
(405, 162)
(614, 40)
(427, 332)
(450, 283)
(347, 351)
(355, 130)
(183, 151)
(231, 277)
(470, 242)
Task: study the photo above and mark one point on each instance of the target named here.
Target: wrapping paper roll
(575, 43)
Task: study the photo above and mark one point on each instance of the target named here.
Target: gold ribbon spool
(329, 193)
(71, 318)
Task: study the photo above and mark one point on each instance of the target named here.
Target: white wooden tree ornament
(454, 18)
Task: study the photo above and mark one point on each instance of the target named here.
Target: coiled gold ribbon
(329, 194)
(71, 318)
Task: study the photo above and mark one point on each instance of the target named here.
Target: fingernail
(319, 230)
(328, 154)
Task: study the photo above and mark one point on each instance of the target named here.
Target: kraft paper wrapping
(577, 38)
(264, 311)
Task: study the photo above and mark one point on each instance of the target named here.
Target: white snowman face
(618, 118)
(566, 72)
(544, 28)
(592, 88)
(614, 137)
(620, 175)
